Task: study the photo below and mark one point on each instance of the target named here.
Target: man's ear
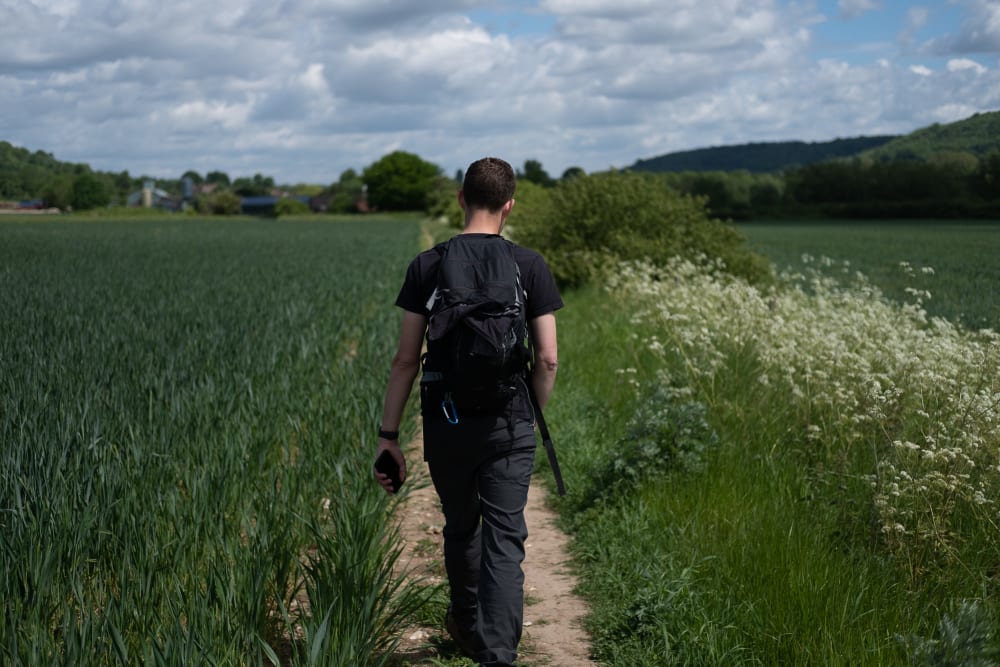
(461, 199)
(507, 208)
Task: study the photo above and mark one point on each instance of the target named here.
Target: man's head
(489, 184)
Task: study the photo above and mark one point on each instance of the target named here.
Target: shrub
(443, 203)
(532, 203)
(663, 435)
(219, 203)
(965, 637)
(290, 206)
(588, 220)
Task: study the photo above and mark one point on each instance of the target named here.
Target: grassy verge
(743, 483)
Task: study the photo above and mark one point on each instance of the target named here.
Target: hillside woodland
(764, 157)
(941, 171)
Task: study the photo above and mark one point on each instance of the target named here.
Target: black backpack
(477, 336)
(477, 333)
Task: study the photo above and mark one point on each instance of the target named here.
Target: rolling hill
(978, 135)
(760, 157)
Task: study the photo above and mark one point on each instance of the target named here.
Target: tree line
(948, 186)
(397, 181)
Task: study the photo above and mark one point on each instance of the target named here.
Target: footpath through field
(553, 613)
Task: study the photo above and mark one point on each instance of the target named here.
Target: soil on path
(553, 614)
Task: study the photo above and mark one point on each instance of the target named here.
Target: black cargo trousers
(481, 468)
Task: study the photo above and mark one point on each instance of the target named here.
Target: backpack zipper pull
(448, 407)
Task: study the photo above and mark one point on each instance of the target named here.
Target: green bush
(663, 435)
(532, 204)
(219, 203)
(290, 206)
(586, 221)
(442, 202)
(965, 637)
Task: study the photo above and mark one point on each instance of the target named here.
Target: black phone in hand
(387, 465)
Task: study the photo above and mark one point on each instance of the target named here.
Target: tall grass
(781, 506)
(185, 418)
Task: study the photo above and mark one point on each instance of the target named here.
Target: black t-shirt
(542, 298)
(536, 279)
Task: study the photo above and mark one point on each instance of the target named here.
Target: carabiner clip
(450, 414)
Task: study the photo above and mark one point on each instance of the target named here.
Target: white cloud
(201, 113)
(916, 17)
(304, 89)
(964, 64)
(979, 32)
(688, 25)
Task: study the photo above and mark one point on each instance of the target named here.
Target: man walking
(480, 453)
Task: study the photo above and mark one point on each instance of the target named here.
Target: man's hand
(392, 446)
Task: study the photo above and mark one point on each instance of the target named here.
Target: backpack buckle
(448, 407)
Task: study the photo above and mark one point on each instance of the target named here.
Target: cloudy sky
(303, 89)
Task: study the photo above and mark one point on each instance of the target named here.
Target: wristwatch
(388, 435)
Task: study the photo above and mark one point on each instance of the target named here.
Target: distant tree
(193, 175)
(534, 172)
(826, 182)
(350, 182)
(400, 181)
(123, 185)
(58, 191)
(10, 185)
(257, 186)
(220, 178)
(987, 177)
(88, 191)
(220, 202)
(764, 195)
(460, 176)
(714, 188)
(32, 180)
(346, 192)
(962, 162)
(573, 172)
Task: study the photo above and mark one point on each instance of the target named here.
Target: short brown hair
(489, 183)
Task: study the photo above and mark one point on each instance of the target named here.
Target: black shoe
(464, 641)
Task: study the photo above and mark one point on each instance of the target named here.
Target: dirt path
(553, 636)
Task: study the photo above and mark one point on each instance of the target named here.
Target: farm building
(153, 197)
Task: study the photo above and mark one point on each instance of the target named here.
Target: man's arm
(402, 373)
(543, 338)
